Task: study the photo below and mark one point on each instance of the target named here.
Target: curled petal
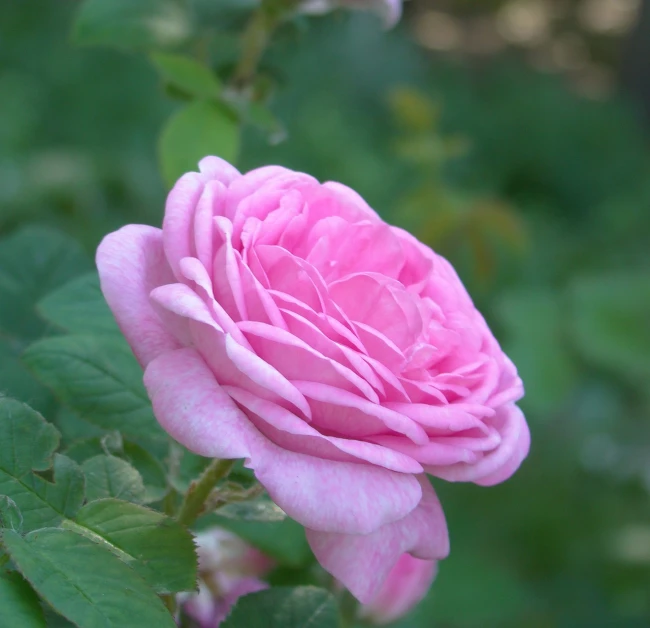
(362, 562)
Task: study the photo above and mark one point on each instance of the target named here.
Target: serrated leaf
(158, 548)
(128, 24)
(285, 607)
(152, 472)
(187, 75)
(85, 582)
(27, 443)
(33, 262)
(79, 307)
(283, 540)
(109, 476)
(199, 129)
(19, 604)
(99, 379)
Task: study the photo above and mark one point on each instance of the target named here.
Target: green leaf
(99, 379)
(72, 427)
(33, 262)
(534, 341)
(27, 444)
(109, 476)
(19, 605)
(158, 548)
(283, 540)
(85, 582)
(18, 382)
(285, 607)
(609, 322)
(129, 24)
(187, 75)
(152, 472)
(10, 515)
(79, 307)
(197, 130)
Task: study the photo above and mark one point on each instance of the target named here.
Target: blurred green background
(510, 136)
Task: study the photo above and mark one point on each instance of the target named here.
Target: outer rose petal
(406, 585)
(499, 464)
(362, 562)
(194, 409)
(131, 262)
(332, 496)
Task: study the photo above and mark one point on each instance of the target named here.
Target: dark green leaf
(18, 382)
(187, 75)
(109, 476)
(27, 443)
(85, 582)
(10, 515)
(155, 546)
(128, 24)
(99, 379)
(79, 307)
(33, 262)
(19, 605)
(285, 607)
(199, 129)
(152, 472)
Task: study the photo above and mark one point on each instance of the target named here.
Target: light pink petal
(217, 169)
(345, 413)
(212, 198)
(500, 463)
(192, 407)
(295, 359)
(131, 262)
(406, 585)
(362, 562)
(438, 452)
(226, 280)
(445, 419)
(178, 224)
(344, 497)
(288, 431)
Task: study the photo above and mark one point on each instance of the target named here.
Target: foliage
(539, 197)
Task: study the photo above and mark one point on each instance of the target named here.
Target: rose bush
(282, 321)
(406, 584)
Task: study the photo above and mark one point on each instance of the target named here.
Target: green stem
(256, 38)
(200, 489)
(170, 602)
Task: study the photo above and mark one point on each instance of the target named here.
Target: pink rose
(282, 321)
(228, 568)
(406, 585)
(390, 11)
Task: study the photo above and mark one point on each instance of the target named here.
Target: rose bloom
(390, 11)
(282, 321)
(406, 585)
(229, 568)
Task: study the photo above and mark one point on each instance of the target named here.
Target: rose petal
(363, 562)
(328, 496)
(131, 262)
(192, 407)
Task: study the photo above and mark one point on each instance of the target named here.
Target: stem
(170, 602)
(256, 37)
(200, 489)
